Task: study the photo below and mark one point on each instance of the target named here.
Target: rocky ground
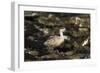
(39, 26)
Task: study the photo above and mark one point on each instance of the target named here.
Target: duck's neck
(61, 34)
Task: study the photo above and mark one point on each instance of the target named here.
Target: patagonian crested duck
(55, 41)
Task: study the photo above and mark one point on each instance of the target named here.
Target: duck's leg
(50, 50)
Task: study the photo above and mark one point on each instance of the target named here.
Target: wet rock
(69, 53)
(34, 53)
(77, 56)
(83, 29)
(49, 56)
(76, 45)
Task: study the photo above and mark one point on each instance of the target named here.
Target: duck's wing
(54, 41)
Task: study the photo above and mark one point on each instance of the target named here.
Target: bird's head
(62, 29)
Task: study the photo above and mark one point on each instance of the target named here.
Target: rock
(50, 56)
(76, 45)
(74, 57)
(69, 53)
(29, 57)
(83, 29)
(30, 38)
(34, 53)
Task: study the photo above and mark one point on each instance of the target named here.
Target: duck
(56, 40)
